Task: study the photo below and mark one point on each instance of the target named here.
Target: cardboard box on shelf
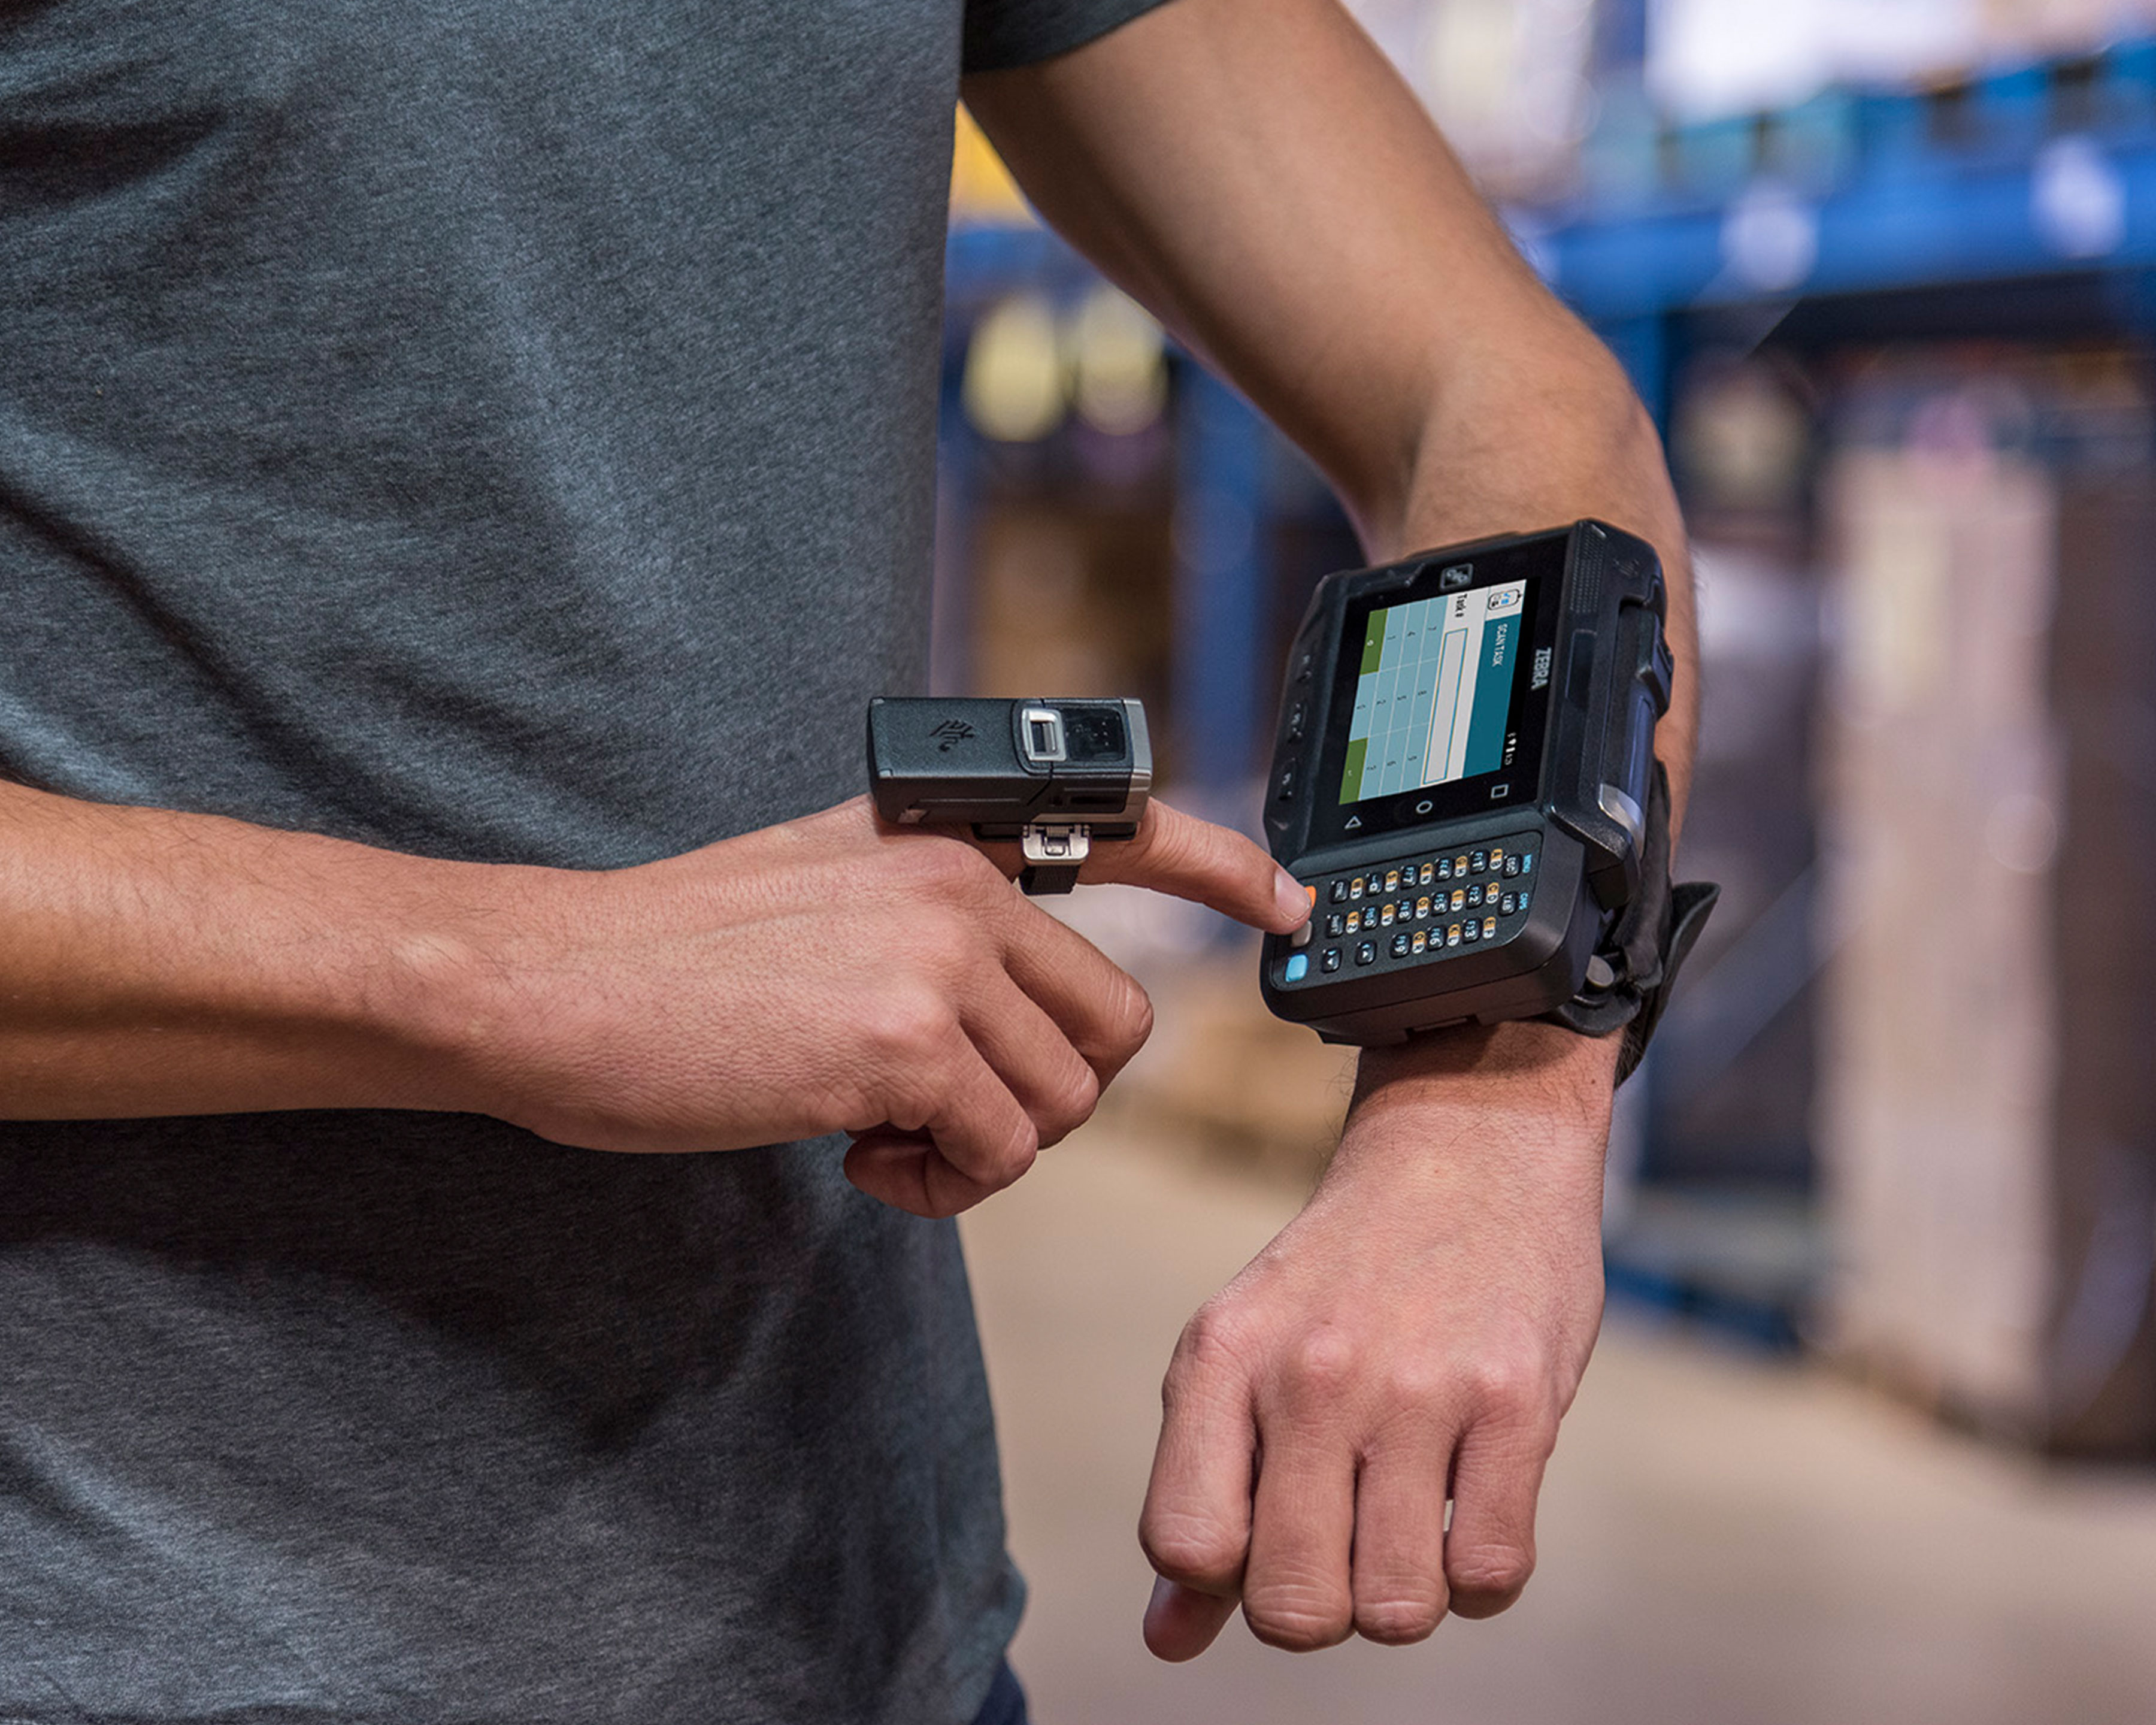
(2102, 1354)
(1986, 1101)
(1940, 1027)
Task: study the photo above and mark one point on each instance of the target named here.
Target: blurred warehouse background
(1886, 270)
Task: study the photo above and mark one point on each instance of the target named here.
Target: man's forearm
(1318, 242)
(158, 963)
(831, 975)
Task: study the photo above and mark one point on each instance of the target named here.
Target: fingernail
(1296, 900)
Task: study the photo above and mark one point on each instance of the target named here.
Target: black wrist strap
(1039, 880)
(1640, 956)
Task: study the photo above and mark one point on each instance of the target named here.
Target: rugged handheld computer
(1464, 777)
(1054, 774)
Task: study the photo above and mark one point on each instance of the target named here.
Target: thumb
(1181, 1622)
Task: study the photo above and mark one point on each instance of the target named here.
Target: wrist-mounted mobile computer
(1055, 775)
(1464, 778)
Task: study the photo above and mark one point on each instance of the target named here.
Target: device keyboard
(1412, 911)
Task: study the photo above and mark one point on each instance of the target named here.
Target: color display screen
(1434, 699)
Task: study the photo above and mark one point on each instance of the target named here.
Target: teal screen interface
(1434, 697)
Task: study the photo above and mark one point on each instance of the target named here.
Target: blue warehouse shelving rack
(2018, 203)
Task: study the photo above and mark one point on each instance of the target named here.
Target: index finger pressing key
(1185, 857)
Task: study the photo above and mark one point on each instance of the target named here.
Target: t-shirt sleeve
(1016, 33)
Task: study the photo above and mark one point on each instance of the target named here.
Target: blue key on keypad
(1298, 967)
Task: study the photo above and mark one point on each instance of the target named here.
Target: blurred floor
(1723, 1539)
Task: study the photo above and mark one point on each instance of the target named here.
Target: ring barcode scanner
(1055, 775)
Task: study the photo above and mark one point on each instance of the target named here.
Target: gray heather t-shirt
(501, 431)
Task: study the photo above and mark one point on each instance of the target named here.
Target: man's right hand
(837, 974)
(831, 975)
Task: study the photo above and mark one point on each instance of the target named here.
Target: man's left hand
(1413, 1336)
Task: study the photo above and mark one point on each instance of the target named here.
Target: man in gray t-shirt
(462, 472)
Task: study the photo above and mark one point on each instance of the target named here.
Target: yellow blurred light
(1014, 386)
(1117, 360)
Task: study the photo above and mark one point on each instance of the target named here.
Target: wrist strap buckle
(1630, 977)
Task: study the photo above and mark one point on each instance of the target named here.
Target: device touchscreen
(1434, 698)
(1450, 695)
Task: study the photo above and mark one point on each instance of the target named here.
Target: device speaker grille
(1594, 555)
